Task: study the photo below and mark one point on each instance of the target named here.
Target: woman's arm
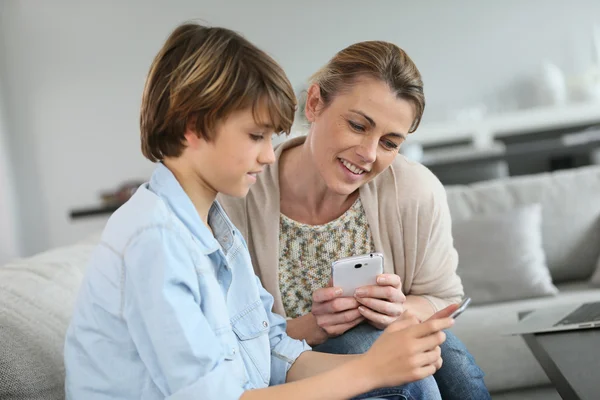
(419, 306)
(435, 278)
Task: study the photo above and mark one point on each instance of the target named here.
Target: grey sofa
(570, 201)
(37, 293)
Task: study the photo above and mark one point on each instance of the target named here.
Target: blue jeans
(459, 378)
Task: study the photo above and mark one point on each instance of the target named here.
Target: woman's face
(358, 135)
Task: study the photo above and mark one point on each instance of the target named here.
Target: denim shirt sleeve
(161, 304)
(284, 349)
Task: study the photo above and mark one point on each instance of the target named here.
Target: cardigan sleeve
(435, 276)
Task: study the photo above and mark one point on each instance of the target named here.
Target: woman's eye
(388, 144)
(256, 137)
(356, 127)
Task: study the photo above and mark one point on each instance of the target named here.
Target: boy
(170, 307)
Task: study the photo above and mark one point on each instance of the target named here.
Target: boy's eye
(257, 136)
(356, 126)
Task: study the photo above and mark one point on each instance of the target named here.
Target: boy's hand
(407, 350)
(445, 313)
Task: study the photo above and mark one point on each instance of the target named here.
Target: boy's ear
(313, 102)
(191, 135)
(191, 138)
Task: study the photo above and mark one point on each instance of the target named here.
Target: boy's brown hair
(203, 74)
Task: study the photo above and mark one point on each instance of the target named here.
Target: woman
(343, 190)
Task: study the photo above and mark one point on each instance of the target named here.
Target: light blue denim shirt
(167, 310)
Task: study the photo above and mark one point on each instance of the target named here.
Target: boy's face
(238, 151)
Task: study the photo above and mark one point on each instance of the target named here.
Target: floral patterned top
(307, 251)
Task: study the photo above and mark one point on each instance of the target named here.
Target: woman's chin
(343, 188)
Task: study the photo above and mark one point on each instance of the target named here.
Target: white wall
(75, 71)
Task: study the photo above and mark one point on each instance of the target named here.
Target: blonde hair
(375, 59)
(203, 74)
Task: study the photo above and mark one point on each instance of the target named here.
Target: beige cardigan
(408, 216)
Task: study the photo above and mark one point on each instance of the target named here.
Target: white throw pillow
(596, 277)
(501, 257)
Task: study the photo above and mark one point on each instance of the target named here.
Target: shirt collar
(166, 186)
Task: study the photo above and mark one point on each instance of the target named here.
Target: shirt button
(233, 351)
(265, 324)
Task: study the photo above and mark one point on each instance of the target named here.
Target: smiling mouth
(352, 168)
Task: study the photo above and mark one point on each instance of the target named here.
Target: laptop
(559, 318)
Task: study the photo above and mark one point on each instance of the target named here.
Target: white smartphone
(353, 272)
(461, 307)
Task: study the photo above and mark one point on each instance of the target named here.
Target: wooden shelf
(509, 124)
(93, 211)
(542, 148)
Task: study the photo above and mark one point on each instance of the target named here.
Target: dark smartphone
(462, 307)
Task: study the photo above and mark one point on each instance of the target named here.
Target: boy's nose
(267, 155)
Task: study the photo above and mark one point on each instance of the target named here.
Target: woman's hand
(331, 316)
(333, 313)
(305, 328)
(383, 303)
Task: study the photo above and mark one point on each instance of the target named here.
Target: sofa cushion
(570, 213)
(507, 362)
(36, 300)
(501, 256)
(596, 277)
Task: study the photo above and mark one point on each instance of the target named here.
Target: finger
(429, 357)
(407, 314)
(335, 306)
(389, 280)
(424, 372)
(382, 306)
(438, 364)
(380, 319)
(406, 319)
(341, 329)
(389, 293)
(430, 342)
(327, 320)
(326, 294)
(445, 313)
(431, 326)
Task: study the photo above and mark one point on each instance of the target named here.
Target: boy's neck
(199, 192)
